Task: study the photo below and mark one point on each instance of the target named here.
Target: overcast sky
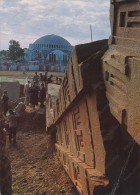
(27, 20)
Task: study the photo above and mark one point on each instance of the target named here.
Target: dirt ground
(36, 169)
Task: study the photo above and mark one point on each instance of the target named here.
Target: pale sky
(27, 20)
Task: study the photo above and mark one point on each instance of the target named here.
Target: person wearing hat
(12, 120)
(5, 99)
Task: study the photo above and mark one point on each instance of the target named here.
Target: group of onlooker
(35, 90)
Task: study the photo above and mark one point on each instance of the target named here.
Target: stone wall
(13, 89)
(121, 65)
(97, 111)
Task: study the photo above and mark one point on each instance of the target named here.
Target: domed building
(50, 51)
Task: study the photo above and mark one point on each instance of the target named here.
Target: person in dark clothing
(5, 99)
(12, 120)
(50, 79)
(45, 79)
(41, 78)
(60, 80)
(34, 95)
(42, 95)
(36, 78)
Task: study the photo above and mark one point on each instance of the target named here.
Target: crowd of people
(35, 93)
(35, 90)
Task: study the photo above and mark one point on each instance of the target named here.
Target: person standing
(45, 78)
(36, 78)
(34, 95)
(40, 77)
(27, 93)
(12, 120)
(5, 100)
(50, 79)
(42, 95)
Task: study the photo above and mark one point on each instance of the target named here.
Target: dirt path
(35, 167)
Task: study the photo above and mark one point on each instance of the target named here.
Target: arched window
(65, 58)
(52, 57)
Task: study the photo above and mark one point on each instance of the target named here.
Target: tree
(4, 54)
(15, 51)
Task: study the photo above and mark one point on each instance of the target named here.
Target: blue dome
(52, 39)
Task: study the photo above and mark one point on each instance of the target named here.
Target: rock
(40, 178)
(62, 191)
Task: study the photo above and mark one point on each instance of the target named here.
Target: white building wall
(33, 67)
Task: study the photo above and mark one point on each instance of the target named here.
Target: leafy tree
(4, 53)
(15, 51)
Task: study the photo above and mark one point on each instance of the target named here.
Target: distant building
(33, 65)
(50, 51)
(13, 67)
(3, 67)
(5, 64)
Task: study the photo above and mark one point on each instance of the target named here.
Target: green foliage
(15, 51)
(4, 54)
